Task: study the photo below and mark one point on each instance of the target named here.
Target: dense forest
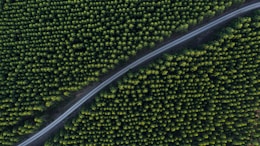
(50, 49)
(201, 96)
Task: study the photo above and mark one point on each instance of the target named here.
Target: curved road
(136, 63)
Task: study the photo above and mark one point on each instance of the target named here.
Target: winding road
(135, 64)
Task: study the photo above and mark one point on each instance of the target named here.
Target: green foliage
(50, 48)
(207, 96)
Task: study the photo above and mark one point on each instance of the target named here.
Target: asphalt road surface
(135, 64)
